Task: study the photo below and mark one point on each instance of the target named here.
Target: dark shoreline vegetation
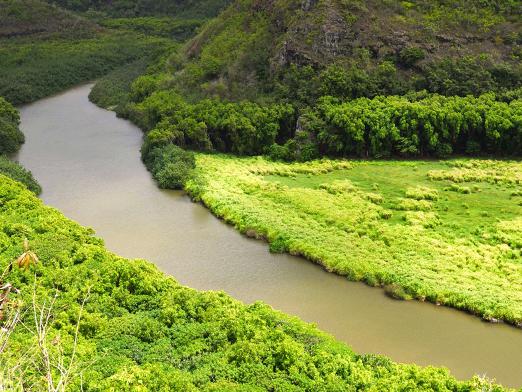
(11, 139)
(139, 326)
(44, 50)
(31, 70)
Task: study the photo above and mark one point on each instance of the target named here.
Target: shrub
(279, 153)
(422, 193)
(11, 138)
(171, 166)
(409, 56)
(16, 172)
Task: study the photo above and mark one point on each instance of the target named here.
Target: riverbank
(141, 327)
(447, 232)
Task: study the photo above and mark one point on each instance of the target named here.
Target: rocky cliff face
(326, 30)
(256, 40)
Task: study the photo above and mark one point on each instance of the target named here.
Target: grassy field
(448, 232)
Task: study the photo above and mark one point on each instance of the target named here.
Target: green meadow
(448, 232)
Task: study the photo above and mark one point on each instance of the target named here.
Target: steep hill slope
(127, 8)
(298, 49)
(45, 49)
(29, 17)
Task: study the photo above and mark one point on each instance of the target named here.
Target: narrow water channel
(88, 164)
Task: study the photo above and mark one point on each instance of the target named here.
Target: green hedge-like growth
(418, 125)
(432, 126)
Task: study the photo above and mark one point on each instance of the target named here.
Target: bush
(11, 138)
(171, 166)
(279, 153)
(443, 150)
(409, 56)
(16, 172)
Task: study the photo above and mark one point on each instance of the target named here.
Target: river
(87, 161)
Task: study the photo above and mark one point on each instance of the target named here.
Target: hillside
(30, 17)
(45, 49)
(298, 50)
(302, 80)
(128, 8)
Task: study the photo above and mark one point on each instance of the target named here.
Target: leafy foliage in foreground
(141, 330)
(445, 232)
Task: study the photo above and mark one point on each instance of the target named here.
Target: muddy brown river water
(87, 161)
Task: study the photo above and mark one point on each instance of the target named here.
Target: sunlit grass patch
(444, 231)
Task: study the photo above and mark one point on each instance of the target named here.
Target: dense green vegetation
(447, 232)
(140, 330)
(16, 172)
(11, 138)
(45, 50)
(241, 128)
(131, 8)
(420, 125)
(398, 126)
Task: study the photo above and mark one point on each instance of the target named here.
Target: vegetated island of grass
(141, 330)
(448, 232)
